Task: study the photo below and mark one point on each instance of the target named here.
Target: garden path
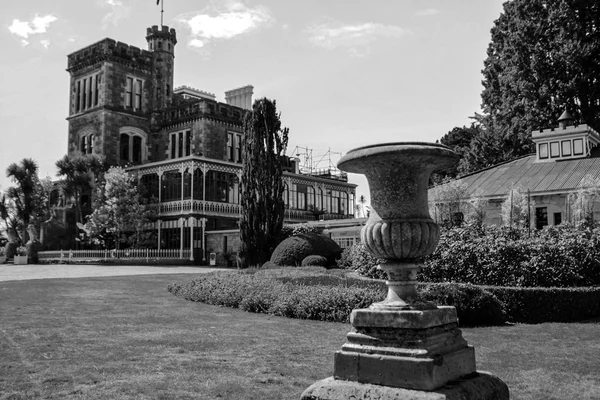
(9, 272)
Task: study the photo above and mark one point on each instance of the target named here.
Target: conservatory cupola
(565, 142)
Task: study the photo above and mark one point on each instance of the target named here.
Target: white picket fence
(138, 255)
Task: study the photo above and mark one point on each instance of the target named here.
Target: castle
(184, 146)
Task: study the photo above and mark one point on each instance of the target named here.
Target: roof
(539, 177)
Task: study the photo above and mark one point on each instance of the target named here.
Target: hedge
(326, 297)
(535, 305)
(563, 256)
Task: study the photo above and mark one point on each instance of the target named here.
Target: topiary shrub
(294, 249)
(313, 260)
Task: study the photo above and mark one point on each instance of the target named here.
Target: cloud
(45, 43)
(118, 11)
(222, 21)
(356, 38)
(427, 12)
(25, 29)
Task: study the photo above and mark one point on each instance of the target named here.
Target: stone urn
(403, 347)
(399, 230)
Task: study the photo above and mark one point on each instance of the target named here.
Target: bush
(326, 297)
(294, 249)
(364, 263)
(562, 256)
(535, 305)
(318, 261)
(474, 305)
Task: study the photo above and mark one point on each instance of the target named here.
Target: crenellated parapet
(109, 50)
(191, 109)
(162, 32)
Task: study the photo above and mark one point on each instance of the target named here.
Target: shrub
(535, 305)
(294, 249)
(364, 263)
(474, 305)
(318, 261)
(326, 297)
(562, 256)
(345, 260)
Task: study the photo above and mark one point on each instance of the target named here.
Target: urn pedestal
(403, 347)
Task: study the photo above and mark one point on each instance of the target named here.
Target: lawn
(128, 338)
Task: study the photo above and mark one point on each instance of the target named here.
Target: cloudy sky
(345, 73)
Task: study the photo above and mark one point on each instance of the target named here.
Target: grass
(128, 338)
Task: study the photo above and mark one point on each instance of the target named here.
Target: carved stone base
(477, 386)
(411, 349)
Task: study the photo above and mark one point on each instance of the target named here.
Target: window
(222, 187)
(566, 147)
(543, 150)
(168, 91)
(578, 147)
(238, 148)
(132, 145)
(86, 90)
(124, 147)
(310, 196)
(138, 95)
(181, 144)
(230, 147)
(554, 150)
(541, 217)
(86, 144)
(129, 92)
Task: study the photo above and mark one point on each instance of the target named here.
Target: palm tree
(25, 199)
(362, 200)
(81, 174)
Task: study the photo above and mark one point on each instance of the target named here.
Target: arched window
(132, 145)
(86, 143)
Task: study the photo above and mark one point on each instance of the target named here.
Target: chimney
(241, 97)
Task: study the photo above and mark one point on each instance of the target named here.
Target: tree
(485, 150)
(448, 202)
(517, 209)
(120, 213)
(542, 59)
(81, 174)
(459, 140)
(262, 184)
(361, 206)
(583, 200)
(26, 199)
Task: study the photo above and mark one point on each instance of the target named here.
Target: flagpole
(162, 3)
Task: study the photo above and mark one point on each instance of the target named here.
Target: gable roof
(539, 177)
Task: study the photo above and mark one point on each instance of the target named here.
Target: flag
(157, 2)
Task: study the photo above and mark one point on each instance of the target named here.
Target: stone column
(403, 347)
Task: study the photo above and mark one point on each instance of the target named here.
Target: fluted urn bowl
(399, 226)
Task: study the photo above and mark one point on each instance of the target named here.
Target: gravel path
(9, 272)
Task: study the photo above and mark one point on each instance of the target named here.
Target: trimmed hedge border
(536, 305)
(327, 297)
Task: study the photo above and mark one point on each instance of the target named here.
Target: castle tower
(161, 43)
